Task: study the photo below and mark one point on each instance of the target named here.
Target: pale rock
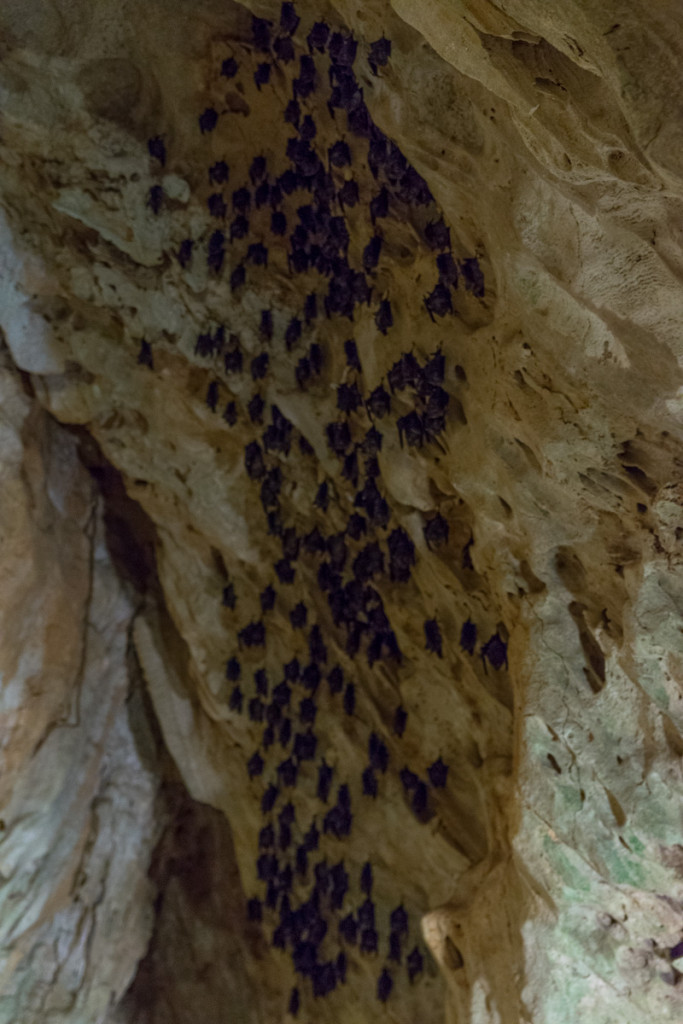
(544, 881)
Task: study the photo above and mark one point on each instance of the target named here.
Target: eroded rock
(176, 190)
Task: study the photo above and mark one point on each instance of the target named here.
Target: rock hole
(673, 738)
(573, 45)
(616, 808)
(452, 955)
(553, 764)
(570, 570)
(547, 85)
(219, 564)
(531, 457)
(458, 411)
(595, 668)
(130, 534)
(670, 976)
(641, 480)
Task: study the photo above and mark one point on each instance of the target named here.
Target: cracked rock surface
(341, 658)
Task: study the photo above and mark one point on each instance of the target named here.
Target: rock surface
(524, 609)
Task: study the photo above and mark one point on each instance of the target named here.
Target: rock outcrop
(341, 598)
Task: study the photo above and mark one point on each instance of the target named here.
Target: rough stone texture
(545, 876)
(204, 956)
(78, 784)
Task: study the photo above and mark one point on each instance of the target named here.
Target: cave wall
(79, 762)
(542, 882)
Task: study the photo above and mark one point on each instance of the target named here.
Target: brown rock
(540, 149)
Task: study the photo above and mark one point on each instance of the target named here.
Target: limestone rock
(78, 788)
(498, 580)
